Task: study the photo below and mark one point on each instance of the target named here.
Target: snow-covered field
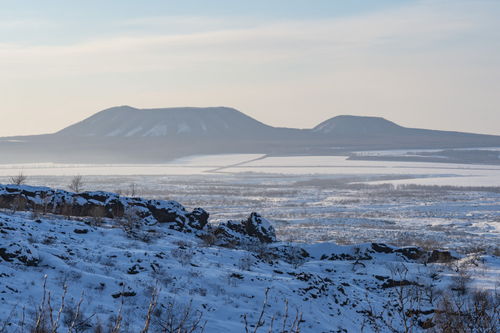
(423, 173)
(322, 198)
(192, 165)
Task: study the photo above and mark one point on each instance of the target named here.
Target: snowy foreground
(110, 277)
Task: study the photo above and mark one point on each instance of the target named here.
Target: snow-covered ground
(334, 288)
(331, 207)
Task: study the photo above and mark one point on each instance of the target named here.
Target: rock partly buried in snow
(255, 228)
(100, 204)
(416, 253)
(441, 256)
(198, 218)
(20, 253)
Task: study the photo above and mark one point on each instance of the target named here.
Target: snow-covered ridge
(99, 204)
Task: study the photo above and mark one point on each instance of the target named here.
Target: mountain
(359, 132)
(126, 121)
(358, 126)
(129, 135)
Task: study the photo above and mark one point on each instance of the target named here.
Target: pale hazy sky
(431, 64)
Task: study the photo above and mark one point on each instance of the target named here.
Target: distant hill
(358, 126)
(126, 121)
(129, 135)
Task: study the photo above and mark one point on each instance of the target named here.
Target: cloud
(413, 58)
(418, 26)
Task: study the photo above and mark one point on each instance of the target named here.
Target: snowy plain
(313, 198)
(423, 173)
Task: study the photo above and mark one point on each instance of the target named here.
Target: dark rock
(412, 252)
(198, 218)
(22, 253)
(380, 277)
(381, 248)
(254, 229)
(440, 256)
(237, 276)
(136, 269)
(257, 226)
(390, 283)
(124, 294)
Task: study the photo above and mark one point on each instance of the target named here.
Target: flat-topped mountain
(131, 135)
(126, 121)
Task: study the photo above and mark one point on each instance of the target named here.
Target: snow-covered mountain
(126, 121)
(111, 270)
(130, 135)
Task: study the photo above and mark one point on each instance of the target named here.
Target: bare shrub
(133, 190)
(98, 213)
(67, 210)
(183, 255)
(19, 203)
(76, 184)
(19, 179)
(208, 238)
(287, 325)
(133, 225)
(177, 318)
(461, 282)
(459, 314)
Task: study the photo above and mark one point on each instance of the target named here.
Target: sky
(289, 63)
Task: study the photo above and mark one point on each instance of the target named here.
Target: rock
(22, 253)
(381, 248)
(440, 256)
(101, 204)
(411, 252)
(255, 228)
(198, 218)
(390, 283)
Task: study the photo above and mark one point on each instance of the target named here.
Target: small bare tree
(133, 190)
(20, 179)
(76, 184)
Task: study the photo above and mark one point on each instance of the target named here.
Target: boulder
(254, 228)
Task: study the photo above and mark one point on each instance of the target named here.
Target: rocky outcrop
(415, 253)
(100, 204)
(111, 205)
(254, 228)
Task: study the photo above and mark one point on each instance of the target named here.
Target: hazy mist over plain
(428, 64)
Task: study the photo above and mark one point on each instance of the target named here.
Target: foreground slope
(113, 269)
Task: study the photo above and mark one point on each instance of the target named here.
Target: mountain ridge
(132, 135)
